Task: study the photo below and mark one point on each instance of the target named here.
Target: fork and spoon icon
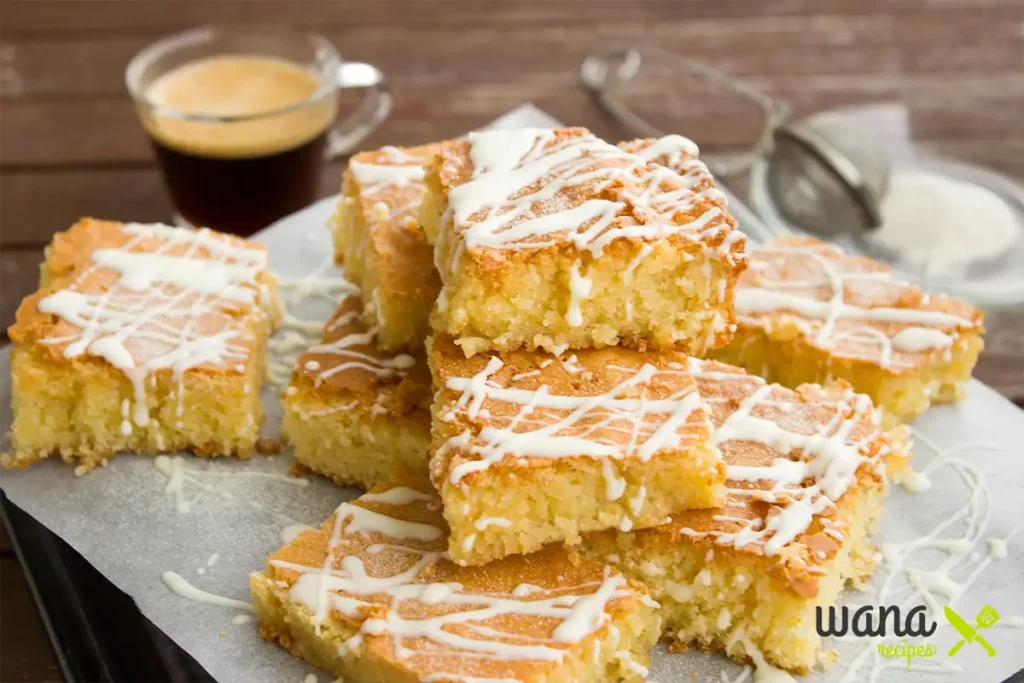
(986, 618)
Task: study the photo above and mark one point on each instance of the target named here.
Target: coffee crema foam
(238, 85)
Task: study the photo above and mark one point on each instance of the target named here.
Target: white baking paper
(122, 521)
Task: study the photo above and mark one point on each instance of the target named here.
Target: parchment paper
(123, 522)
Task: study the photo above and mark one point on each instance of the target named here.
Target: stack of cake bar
(528, 380)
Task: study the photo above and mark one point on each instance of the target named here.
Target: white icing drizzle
(644, 251)
(843, 305)
(179, 474)
(348, 585)
(502, 174)
(376, 177)
(169, 307)
(182, 588)
(295, 335)
(344, 347)
(355, 350)
(484, 522)
(399, 495)
(810, 472)
(914, 339)
(515, 172)
(902, 581)
(364, 521)
(547, 425)
(579, 288)
(676, 149)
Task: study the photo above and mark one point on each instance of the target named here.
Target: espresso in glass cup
(242, 120)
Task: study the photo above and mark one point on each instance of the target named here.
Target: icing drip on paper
(209, 480)
(909, 574)
(182, 588)
(297, 334)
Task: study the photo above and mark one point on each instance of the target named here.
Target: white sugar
(940, 224)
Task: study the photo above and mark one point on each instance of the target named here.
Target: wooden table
(70, 144)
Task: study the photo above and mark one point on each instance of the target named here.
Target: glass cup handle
(375, 107)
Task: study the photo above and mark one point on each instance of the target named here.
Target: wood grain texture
(70, 144)
(460, 75)
(19, 277)
(131, 16)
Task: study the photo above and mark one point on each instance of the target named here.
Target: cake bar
(808, 470)
(554, 239)
(371, 597)
(529, 449)
(382, 246)
(354, 412)
(142, 338)
(807, 312)
(682, 156)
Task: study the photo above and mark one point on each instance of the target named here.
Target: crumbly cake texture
(354, 412)
(808, 312)
(142, 338)
(808, 470)
(529, 449)
(372, 597)
(555, 239)
(383, 247)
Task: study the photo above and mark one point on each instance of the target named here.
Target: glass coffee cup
(242, 120)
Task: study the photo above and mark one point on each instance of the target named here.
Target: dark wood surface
(70, 144)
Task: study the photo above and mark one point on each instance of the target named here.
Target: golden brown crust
(349, 365)
(69, 266)
(810, 270)
(397, 275)
(808, 410)
(583, 373)
(381, 553)
(556, 239)
(454, 167)
(683, 159)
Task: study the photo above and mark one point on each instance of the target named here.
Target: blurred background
(71, 145)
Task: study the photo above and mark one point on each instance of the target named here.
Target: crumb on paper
(299, 470)
(268, 446)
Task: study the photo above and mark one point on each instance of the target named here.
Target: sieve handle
(347, 133)
(605, 71)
